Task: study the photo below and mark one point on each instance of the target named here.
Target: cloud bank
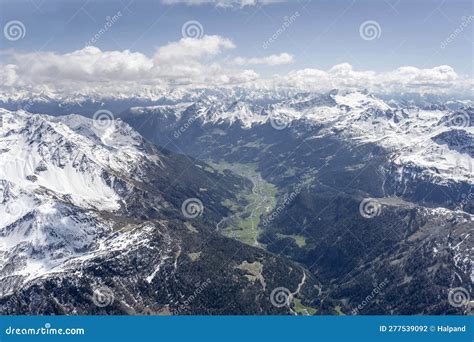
(202, 62)
(283, 58)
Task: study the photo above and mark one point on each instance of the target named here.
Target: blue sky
(324, 34)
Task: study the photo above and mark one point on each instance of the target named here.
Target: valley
(121, 229)
(237, 158)
(244, 224)
(323, 209)
(321, 170)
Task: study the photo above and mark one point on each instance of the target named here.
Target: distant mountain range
(412, 134)
(236, 194)
(58, 103)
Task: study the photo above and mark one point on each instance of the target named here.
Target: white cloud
(192, 48)
(8, 75)
(441, 79)
(178, 62)
(182, 62)
(283, 58)
(442, 76)
(89, 64)
(339, 76)
(198, 62)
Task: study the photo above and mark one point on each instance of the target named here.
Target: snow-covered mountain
(87, 204)
(57, 175)
(327, 152)
(413, 135)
